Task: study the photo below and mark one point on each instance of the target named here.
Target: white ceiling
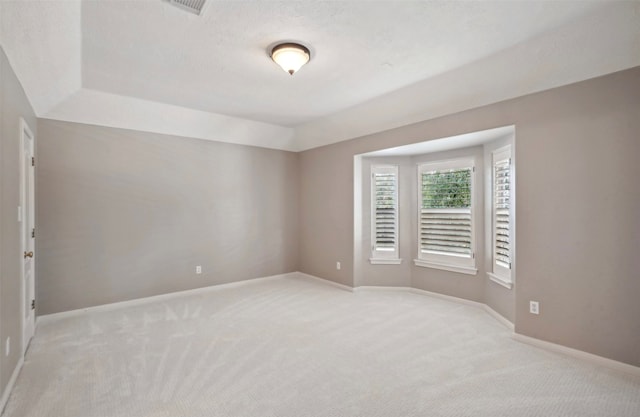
(375, 64)
(446, 144)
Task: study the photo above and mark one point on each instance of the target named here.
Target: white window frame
(461, 264)
(384, 256)
(501, 274)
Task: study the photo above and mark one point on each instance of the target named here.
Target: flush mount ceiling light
(290, 56)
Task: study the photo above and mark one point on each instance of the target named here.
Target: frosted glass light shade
(290, 56)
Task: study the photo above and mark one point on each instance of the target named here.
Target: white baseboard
(447, 297)
(412, 290)
(375, 288)
(10, 385)
(155, 298)
(578, 354)
(501, 319)
(595, 359)
(324, 281)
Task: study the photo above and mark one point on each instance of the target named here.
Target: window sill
(505, 282)
(445, 267)
(390, 261)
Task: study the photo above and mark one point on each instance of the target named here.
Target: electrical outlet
(534, 307)
(338, 266)
(7, 347)
(198, 269)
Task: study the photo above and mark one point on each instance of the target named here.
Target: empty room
(319, 208)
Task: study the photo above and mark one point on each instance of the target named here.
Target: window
(502, 227)
(446, 232)
(384, 214)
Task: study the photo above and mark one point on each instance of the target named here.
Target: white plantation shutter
(501, 184)
(384, 215)
(385, 211)
(446, 218)
(446, 231)
(502, 214)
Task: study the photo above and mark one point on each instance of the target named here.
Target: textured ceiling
(375, 64)
(218, 62)
(43, 42)
(446, 144)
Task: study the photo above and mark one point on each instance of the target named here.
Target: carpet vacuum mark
(295, 348)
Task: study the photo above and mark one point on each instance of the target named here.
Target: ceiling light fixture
(290, 56)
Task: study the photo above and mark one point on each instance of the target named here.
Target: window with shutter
(501, 210)
(446, 234)
(384, 214)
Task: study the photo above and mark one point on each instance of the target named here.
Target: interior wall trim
(575, 353)
(501, 319)
(325, 281)
(579, 354)
(10, 385)
(154, 298)
(447, 297)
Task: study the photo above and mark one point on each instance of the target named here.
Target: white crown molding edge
(598, 34)
(610, 32)
(110, 110)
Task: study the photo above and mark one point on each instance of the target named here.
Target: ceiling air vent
(193, 6)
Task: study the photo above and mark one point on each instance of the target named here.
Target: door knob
(28, 255)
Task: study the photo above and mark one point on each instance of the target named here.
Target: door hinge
(33, 233)
(33, 161)
(33, 304)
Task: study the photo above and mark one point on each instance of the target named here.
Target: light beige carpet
(294, 348)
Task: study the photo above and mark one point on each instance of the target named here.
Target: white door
(27, 214)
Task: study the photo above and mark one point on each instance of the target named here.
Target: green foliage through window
(446, 189)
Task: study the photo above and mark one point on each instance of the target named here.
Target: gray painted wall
(576, 244)
(125, 214)
(13, 106)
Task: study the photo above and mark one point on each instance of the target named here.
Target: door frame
(28, 328)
